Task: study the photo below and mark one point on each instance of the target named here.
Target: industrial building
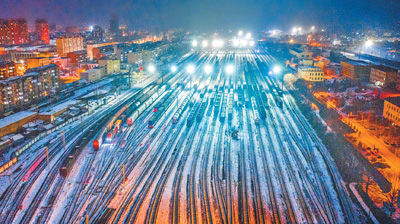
(391, 110)
(311, 73)
(355, 70)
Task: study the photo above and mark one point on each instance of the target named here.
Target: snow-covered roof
(57, 108)
(15, 117)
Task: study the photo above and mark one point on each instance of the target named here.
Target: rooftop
(11, 79)
(359, 63)
(15, 118)
(55, 109)
(394, 100)
(41, 68)
(385, 68)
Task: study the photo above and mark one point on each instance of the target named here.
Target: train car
(193, 114)
(246, 99)
(202, 109)
(279, 102)
(166, 103)
(255, 111)
(68, 162)
(222, 114)
(117, 126)
(181, 108)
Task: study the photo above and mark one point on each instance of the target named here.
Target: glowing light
(312, 28)
(216, 43)
(91, 28)
(194, 43)
(208, 69)
(221, 43)
(291, 40)
(368, 43)
(174, 68)
(243, 43)
(276, 69)
(336, 42)
(190, 69)
(251, 43)
(236, 42)
(240, 33)
(248, 35)
(229, 69)
(151, 68)
(204, 43)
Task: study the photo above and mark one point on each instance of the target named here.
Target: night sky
(209, 15)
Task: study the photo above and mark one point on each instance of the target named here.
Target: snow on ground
(70, 184)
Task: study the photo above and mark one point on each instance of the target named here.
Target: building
(355, 70)
(311, 73)
(14, 122)
(61, 62)
(391, 110)
(48, 77)
(112, 65)
(66, 45)
(25, 90)
(37, 62)
(7, 70)
(77, 57)
(383, 76)
(42, 30)
(94, 74)
(20, 68)
(300, 54)
(21, 55)
(97, 34)
(114, 25)
(50, 114)
(14, 32)
(32, 87)
(3, 32)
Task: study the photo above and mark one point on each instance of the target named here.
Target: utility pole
(123, 173)
(47, 154)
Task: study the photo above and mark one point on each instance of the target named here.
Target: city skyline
(193, 15)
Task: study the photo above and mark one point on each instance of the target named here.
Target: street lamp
(248, 35)
(276, 70)
(235, 42)
(190, 69)
(208, 69)
(204, 43)
(194, 43)
(229, 69)
(151, 68)
(174, 68)
(214, 43)
(368, 43)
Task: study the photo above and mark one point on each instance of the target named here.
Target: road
(224, 147)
